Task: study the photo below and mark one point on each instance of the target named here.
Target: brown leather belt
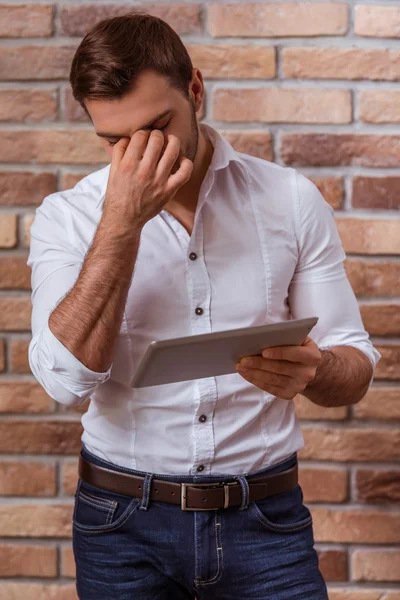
(190, 496)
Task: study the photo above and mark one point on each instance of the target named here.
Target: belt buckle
(184, 487)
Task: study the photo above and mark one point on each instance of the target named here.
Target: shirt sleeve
(55, 266)
(320, 286)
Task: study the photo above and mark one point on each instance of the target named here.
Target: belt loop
(144, 504)
(244, 484)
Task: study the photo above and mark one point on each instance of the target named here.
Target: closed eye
(160, 128)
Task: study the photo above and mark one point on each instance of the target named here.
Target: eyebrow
(147, 126)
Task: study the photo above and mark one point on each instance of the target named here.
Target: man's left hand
(283, 371)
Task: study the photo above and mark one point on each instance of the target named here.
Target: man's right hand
(140, 183)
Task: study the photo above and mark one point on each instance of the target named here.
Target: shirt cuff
(71, 373)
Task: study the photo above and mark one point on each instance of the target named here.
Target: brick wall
(314, 85)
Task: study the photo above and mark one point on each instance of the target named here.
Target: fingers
(272, 384)
(265, 376)
(136, 147)
(282, 367)
(169, 157)
(181, 176)
(118, 152)
(152, 151)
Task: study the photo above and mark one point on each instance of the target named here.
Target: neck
(187, 196)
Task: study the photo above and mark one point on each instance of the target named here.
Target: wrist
(327, 358)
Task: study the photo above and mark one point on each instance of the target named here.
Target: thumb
(119, 151)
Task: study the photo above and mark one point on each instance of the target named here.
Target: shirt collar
(223, 155)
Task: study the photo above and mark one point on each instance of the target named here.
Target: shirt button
(193, 256)
(199, 311)
(200, 468)
(203, 419)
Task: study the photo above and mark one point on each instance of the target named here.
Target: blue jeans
(126, 549)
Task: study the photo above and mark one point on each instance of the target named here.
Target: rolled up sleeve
(320, 286)
(55, 266)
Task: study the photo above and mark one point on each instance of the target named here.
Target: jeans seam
(110, 514)
(196, 560)
(279, 528)
(220, 555)
(88, 529)
(107, 505)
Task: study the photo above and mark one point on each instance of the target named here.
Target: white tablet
(212, 354)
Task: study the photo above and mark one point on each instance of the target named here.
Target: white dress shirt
(267, 249)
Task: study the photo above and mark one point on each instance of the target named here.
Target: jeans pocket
(283, 513)
(98, 510)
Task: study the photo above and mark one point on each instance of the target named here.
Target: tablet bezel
(284, 327)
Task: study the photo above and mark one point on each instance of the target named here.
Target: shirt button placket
(201, 323)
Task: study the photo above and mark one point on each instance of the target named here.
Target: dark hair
(114, 52)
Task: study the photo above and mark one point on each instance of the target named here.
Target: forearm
(342, 378)
(88, 320)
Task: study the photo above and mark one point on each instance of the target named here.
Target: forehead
(151, 96)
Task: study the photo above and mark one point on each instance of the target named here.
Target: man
(182, 235)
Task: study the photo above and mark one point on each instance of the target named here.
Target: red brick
(377, 21)
(51, 146)
(355, 526)
(26, 21)
(358, 594)
(344, 445)
(230, 61)
(36, 62)
(375, 565)
(375, 485)
(73, 111)
(27, 478)
(37, 591)
(14, 273)
(283, 105)
(255, 143)
(78, 20)
(40, 437)
(2, 356)
(69, 180)
(15, 313)
(388, 366)
(69, 477)
(26, 226)
(24, 396)
(277, 19)
(323, 485)
(379, 403)
(334, 149)
(376, 192)
(22, 188)
(8, 231)
(68, 562)
(341, 63)
(372, 278)
(370, 236)
(28, 106)
(19, 356)
(307, 410)
(332, 189)
(19, 560)
(379, 106)
(381, 319)
(333, 564)
(35, 520)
